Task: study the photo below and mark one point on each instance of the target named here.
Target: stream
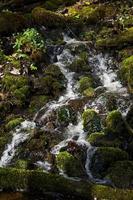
(108, 82)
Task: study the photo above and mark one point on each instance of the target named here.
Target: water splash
(20, 134)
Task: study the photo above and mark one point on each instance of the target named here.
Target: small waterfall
(103, 69)
(20, 134)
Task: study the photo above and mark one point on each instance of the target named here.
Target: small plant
(29, 39)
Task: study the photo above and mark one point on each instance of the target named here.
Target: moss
(3, 142)
(91, 121)
(47, 18)
(122, 39)
(80, 64)
(115, 124)
(69, 164)
(11, 22)
(14, 179)
(18, 88)
(103, 192)
(37, 102)
(87, 14)
(99, 139)
(85, 82)
(121, 174)
(13, 123)
(66, 115)
(104, 157)
(127, 72)
(89, 92)
(50, 86)
(21, 164)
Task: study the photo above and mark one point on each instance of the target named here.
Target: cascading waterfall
(109, 81)
(20, 135)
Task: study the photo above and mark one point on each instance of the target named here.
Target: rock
(44, 17)
(70, 164)
(127, 72)
(12, 123)
(104, 157)
(91, 121)
(119, 40)
(121, 174)
(100, 139)
(115, 124)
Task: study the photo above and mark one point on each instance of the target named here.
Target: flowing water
(102, 65)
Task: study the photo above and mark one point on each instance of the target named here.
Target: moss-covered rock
(103, 192)
(47, 18)
(115, 124)
(122, 39)
(17, 87)
(86, 86)
(104, 157)
(65, 116)
(121, 174)
(88, 14)
(21, 164)
(37, 102)
(70, 164)
(91, 121)
(13, 123)
(100, 139)
(11, 22)
(80, 64)
(127, 72)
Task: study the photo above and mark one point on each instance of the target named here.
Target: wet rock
(127, 72)
(121, 174)
(100, 139)
(129, 117)
(104, 157)
(70, 164)
(115, 124)
(91, 121)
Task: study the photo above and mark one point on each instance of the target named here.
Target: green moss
(122, 39)
(127, 72)
(85, 83)
(104, 157)
(91, 121)
(13, 123)
(121, 174)
(89, 92)
(103, 192)
(99, 139)
(115, 124)
(3, 142)
(87, 14)
(18, 88)
(14, 179)
(37, 102)
(47, 18)
(21, 164)
(69, 164)
(50, 86)
(80, 64)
